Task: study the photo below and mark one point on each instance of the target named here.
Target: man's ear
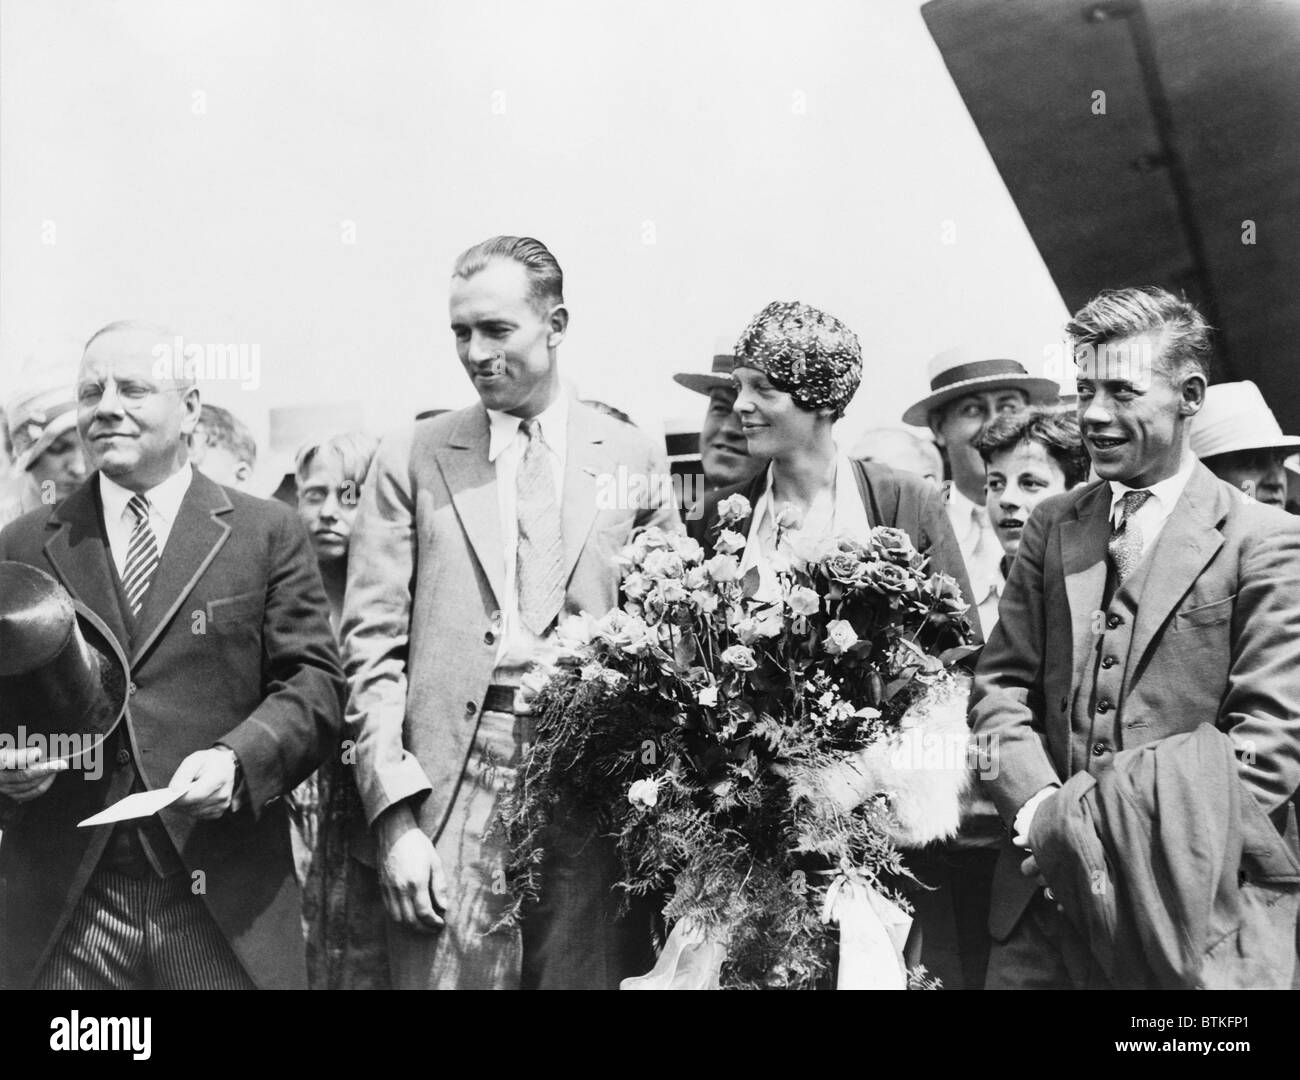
(243, 470)
(934, 418)
(192, 404)
(559, 323)
(1191, 394)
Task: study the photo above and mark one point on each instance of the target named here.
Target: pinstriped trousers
(141, 933)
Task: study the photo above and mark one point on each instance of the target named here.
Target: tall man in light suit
(477, 529)
(235, 697)
(1183, 602)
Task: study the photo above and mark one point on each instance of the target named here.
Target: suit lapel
(197, 535)
(1083, 560)
(582, 462)
(1186, 544)
(472, 481)
(78, 550)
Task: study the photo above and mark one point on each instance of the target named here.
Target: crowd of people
(336, 691)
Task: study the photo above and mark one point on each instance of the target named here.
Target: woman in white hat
(48, 464)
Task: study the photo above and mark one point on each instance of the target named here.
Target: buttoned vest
(1097, 712)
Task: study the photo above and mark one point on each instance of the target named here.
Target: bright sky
(299, 175)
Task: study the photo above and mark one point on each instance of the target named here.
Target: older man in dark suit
(1183, 604)
(235, 697)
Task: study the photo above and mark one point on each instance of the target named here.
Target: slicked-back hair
(1055, 430)
(1119, 313)
(221, 428)
(545, 278)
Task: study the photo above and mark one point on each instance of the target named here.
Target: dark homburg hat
(961, 371)
(63, 675)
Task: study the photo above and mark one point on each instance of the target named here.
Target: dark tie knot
(531, 428)
(139, 507)
(1132, 502)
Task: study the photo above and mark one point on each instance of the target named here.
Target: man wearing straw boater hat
(234, 697)
(1238, 438)
(724, 450)
(967, 389)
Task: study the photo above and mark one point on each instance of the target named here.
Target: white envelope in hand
(141, 804)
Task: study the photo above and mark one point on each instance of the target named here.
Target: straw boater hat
(963, 371)
(724, 359)
(1235, 416)
(62, 672)
(39, 414)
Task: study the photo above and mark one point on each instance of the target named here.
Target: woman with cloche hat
(796, 370)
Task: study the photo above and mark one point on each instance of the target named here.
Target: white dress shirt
(518, 647)
(1151, 516)
(981, 551)
(838, 512)
(164, 505)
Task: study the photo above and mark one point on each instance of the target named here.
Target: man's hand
(25, 776)
(410, 871)
(208, 779)
(1030, 869)
(1024, 821)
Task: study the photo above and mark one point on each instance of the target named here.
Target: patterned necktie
(1125, 544)
(141, 554)
(540, 557)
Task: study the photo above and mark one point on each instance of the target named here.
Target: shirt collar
(165, 498)
(1165, 493)
(849, 516)
(553, 422)
(965, 506)
(962, 510)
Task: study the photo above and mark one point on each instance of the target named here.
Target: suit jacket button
(132, 688)
(1098, 749)
(1113, 621)
(1108, 662)
(470, 708)
(1103, 706)
(489, 638)
(1065, 704)
(124, 757)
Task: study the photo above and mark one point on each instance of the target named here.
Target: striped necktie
(141, 555)
(1125, 544)
(540, 557)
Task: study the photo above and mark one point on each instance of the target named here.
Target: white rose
(728, 542)
(644, 793)
(840, 637)
(734, 508)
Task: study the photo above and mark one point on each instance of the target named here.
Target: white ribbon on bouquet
(873, 931)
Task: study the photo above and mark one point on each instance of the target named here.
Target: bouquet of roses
(759, 755)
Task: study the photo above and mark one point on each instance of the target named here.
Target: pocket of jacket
(1211, 614)
(246, 607)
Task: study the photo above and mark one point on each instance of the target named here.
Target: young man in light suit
(476, 531)
(1183, 604)
(235, 697)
